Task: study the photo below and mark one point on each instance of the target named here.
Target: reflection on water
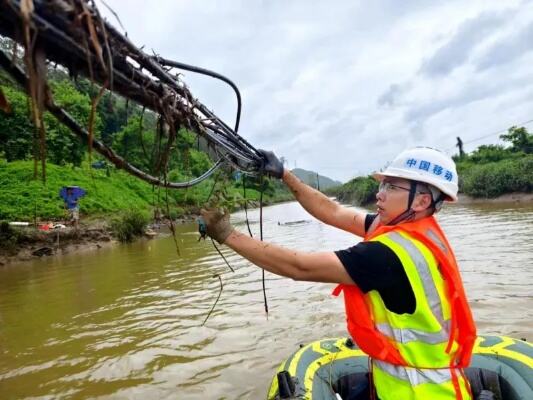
(125, 322)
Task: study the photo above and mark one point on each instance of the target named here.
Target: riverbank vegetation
(129, 224)
(24, 199)
(493, 170)
(360, 190)
(487, 172)
(132, 133)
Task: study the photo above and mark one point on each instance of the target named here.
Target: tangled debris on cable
(74, 35)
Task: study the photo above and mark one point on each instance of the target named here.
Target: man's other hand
(218, 224)
(273, 166)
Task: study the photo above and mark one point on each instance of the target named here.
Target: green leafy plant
(129, 225)
(9, 237)
(361, 190)
(520, 139)
(494, 179)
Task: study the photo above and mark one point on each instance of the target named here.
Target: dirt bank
(505, 198)
(95, 234)
(32, 243)
(92, 234)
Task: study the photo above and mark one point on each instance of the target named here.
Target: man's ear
(422, 202)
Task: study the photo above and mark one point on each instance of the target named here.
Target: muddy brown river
(125, 322)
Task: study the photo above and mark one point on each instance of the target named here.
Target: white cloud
(341, 87)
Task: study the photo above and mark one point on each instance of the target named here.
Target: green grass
(22, 197)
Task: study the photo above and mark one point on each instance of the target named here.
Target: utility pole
(460, 145)
(317, 182)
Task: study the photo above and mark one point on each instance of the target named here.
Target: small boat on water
(327, 370)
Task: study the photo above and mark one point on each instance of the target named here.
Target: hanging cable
(213, 187)
(169, 217)
(239, 139)
(222, 255)
(137, 76)
(246, 205)
(490, 134)
(261, 238)
(203, 232)
(216, 301)
(212, 74)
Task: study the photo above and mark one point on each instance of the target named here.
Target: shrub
(176, 212)
(8, 236)
(361, 190)
(489, 153)
(494, 179)
(129, 225)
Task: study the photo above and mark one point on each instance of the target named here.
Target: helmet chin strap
(409, 213)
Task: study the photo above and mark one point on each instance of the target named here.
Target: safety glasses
(388, 187)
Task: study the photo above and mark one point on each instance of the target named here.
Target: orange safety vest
(462, 328)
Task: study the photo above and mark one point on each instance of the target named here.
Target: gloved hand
(273, 166)
(217, 224)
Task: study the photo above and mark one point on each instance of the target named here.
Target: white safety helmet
(425, 164)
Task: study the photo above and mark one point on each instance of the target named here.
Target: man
(404, 298)
(71, 204)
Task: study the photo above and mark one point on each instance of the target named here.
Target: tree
(520, 139)
(16, 128)
(135, 144)
(114, 110)
(63, 146)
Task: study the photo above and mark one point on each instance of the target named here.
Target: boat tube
(333, 369)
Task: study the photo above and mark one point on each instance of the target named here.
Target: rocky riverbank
(27, 243)
(96, 234)
(30, 242)
(33, 243)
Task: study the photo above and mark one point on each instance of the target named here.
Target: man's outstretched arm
(316, 203)
(301, 266)
(323, 208)
(316, 267)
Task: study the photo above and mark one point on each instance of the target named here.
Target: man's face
(392, 198)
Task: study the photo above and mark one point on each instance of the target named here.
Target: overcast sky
(341, 87)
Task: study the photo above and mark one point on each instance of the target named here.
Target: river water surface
(125, 322)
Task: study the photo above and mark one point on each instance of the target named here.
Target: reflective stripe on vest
(405, 335)
(433, 236)
(420, 344)
(410, 335)
(415, 376)
(414, 354)
(422, 268)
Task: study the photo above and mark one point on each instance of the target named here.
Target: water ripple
(126, 322)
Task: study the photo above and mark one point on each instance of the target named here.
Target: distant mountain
(310, 177)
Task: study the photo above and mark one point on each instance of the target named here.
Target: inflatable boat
(333, 369)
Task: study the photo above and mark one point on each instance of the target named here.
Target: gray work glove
(272, 166)
(217, 223)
